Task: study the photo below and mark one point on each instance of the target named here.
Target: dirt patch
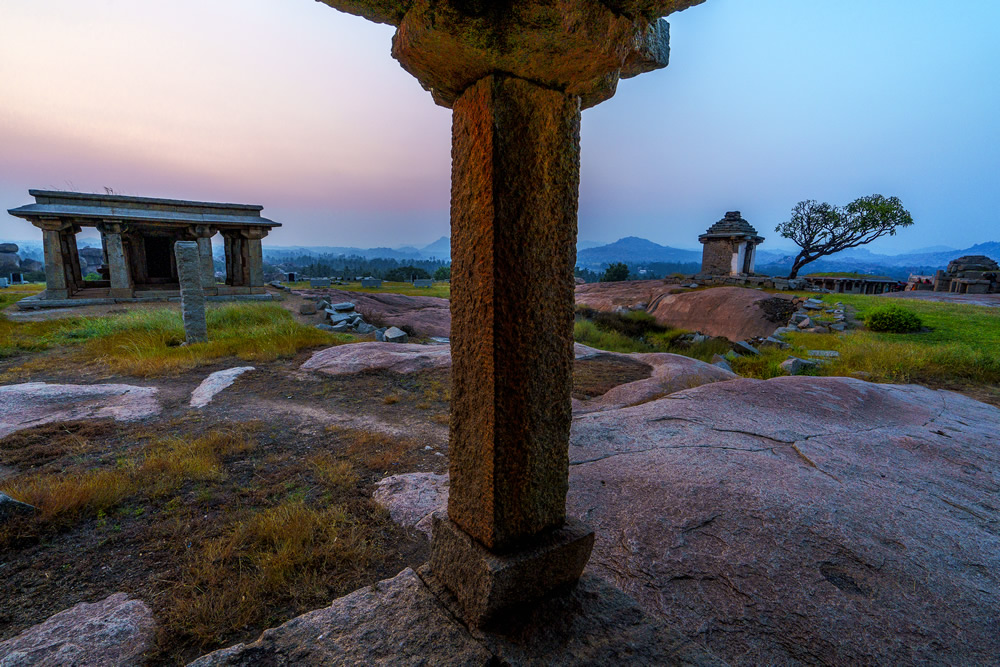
(595, 376)
(777, 309)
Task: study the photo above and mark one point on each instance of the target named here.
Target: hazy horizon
(300, 108)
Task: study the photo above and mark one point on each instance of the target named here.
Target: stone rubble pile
(343, 318)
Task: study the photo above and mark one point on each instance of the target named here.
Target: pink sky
(295, 106)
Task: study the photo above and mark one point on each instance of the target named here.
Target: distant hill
(440, 249)
(634, 250)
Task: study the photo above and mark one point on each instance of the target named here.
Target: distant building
(730, 247)
(137, 239)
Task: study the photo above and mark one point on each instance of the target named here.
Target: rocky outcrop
(794, 520)
(411, 498)
(397, 621)
(34, 403)
(818, 520)
(629, 294)
(360, 357)
(735, 313)
(115, 631)
(671, 373)
(426, 315)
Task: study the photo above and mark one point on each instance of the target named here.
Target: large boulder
(34, 403)
(8, 247)
(360, 357)
(115, 631)
(9, 261)
(736, 313)
(426, 315)
(626, 294)
(802, 520)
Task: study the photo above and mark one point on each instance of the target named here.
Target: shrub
(893, 319)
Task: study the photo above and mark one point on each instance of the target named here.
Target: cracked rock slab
(214, 383)
(360, 357)
(34, 403)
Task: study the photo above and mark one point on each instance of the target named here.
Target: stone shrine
(137, 237)
(516, 75)
(730, 247)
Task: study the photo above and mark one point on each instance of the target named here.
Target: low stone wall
(767, 282)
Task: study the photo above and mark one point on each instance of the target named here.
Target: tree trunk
(800, 261)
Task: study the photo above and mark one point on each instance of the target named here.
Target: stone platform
(402, 621)
(38, 302)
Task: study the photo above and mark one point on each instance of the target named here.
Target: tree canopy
(615, 272)
(822, 229)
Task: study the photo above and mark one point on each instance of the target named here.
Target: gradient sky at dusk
(290, 104)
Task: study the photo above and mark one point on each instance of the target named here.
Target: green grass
(637, 331)
(149, 342)
(440, 289)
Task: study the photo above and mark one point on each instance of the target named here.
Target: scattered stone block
(720, 361)
(307, 309)
(380, 334)
(363, 327)
(342, 307)
(804, 324)
(336, 318)
(771, 341)
(395, 335)
(215, 383)
(838, 326)
(745, 348)
(327, 327)
(824, 354)
(796, 366)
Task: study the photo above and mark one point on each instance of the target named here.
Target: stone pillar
(189, 275)
(235, 264)
(56, 286)
(515, 181)
(119, 267)
(204, 234)
(254, 257)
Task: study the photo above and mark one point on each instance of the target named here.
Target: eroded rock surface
(625, 294)
(115, 631)
(397, 621)
(35, 403)
(411, 498)
(732, 312)
(397, 357)
(817, 520)
(797, 520)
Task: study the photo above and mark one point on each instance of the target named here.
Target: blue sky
(295, 106)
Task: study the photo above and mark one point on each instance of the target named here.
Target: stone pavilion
(137, 238)
(730, 247)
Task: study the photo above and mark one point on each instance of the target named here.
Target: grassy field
(440, 289)
(148, 343)
(960, 344)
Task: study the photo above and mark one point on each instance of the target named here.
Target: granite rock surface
(34, 403)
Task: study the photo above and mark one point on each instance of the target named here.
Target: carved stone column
(119, 267)
(56, 285)
(254, 257)
(207, 266)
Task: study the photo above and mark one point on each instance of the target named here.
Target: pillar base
(55, 293)
(122, 293)
(484, 584)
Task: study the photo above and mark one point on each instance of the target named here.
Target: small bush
(893, 319)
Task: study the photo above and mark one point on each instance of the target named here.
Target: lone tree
(822, 229)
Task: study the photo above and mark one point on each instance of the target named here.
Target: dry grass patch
(264, 560)
(333, 473)
(376, 451)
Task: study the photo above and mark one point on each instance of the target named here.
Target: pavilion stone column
(516, 75)
(119, 268)
(56, 285)
(206, 263)
(254, 258)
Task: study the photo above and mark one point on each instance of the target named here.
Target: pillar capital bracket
(52, 224)
(203, 231)
(112, 227)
